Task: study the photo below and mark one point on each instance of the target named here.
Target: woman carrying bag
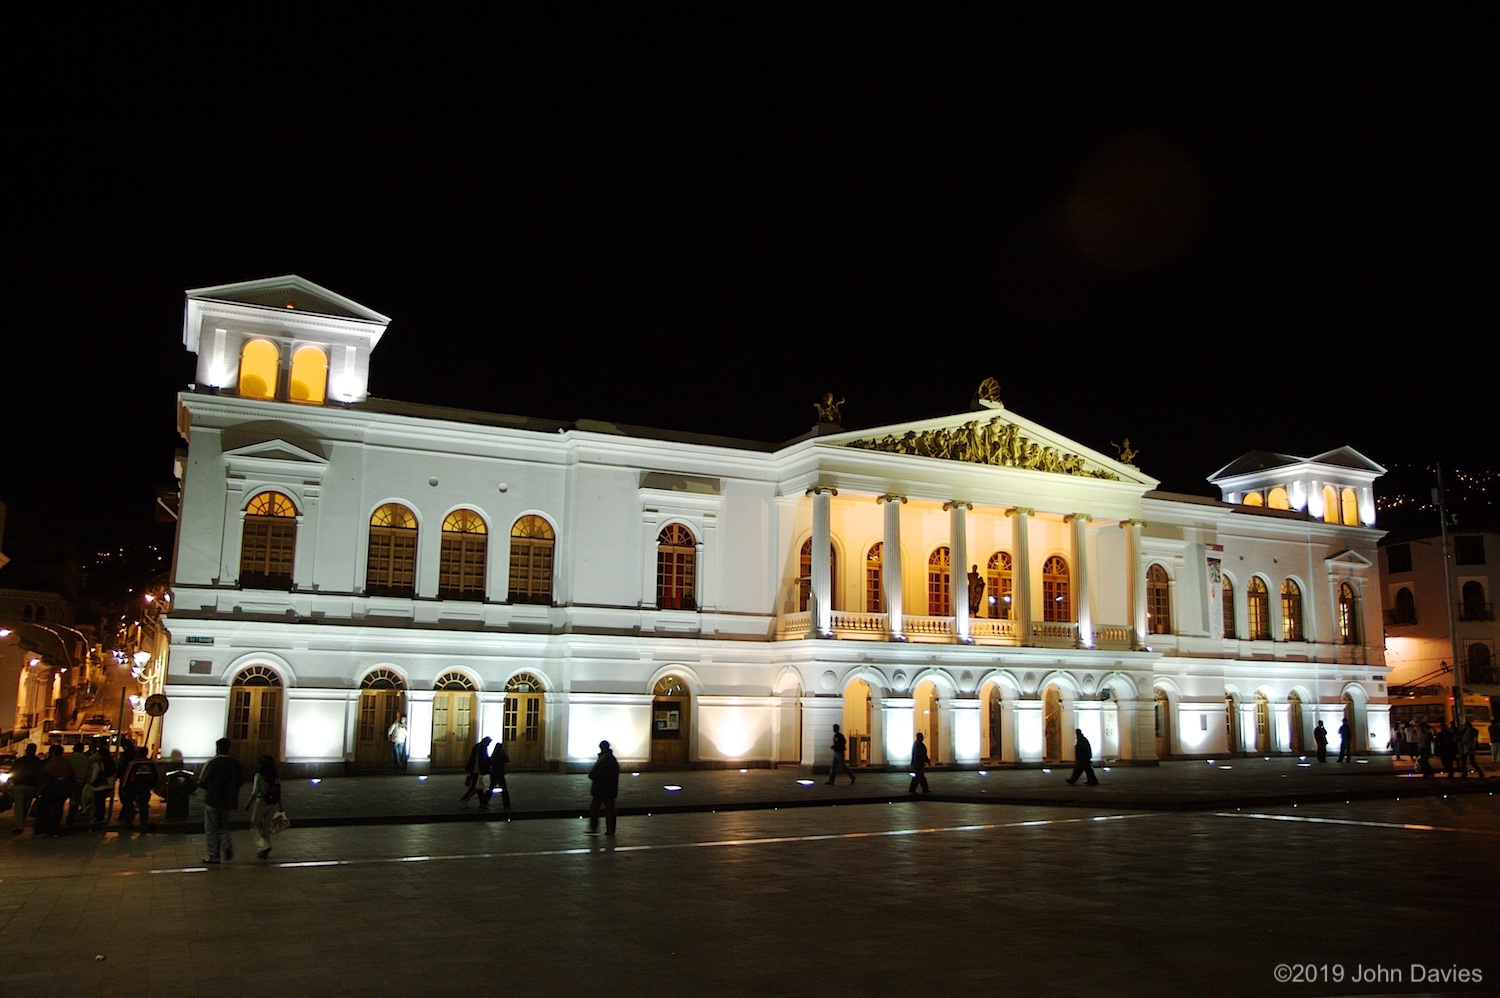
(264, 804)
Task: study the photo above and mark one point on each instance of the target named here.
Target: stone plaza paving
(1182, 878)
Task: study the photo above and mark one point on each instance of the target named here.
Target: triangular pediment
(277, 451)
(291, 293)
(1352, 559)
(994, 436)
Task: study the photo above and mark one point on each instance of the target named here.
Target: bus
(1434, 704)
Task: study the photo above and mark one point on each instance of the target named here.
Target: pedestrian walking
(1083, 760)
(221, 780)
(918, 766)
(1446, 749)
(1411, 743)
(604, 787)
(1346, 742)
(1468, 750)
(1320, 737)
(499, 759)
(1424, 749)
(24, 774)
(397, 733)
(475, 769)
(265, 800)
(839, 743)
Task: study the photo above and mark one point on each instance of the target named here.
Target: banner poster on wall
(1215, 556)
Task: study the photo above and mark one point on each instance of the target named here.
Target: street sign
(156, 704)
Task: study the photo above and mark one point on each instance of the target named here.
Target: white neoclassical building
(697, 601)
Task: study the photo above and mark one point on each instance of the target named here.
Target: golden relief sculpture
(1126, 454)
(828, 409)
(992, 441)
(988, 391)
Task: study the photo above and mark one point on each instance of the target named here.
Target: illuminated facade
(976, 577)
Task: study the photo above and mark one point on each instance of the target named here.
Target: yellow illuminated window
(392, 570)
(1330, 504)
(531, 546)
(1000, 585)
(1350, 503)
(1057, 602)
(461, 567)
(309, 375)
(1276, 499)
(259, 363)
(1254, 499)
(939, 599)
(1258, 609)
(1291, 611)
(269, 541)
(874, 599)
(804, 578)
(1158, 601)
(1349, 614)
(1228, 608)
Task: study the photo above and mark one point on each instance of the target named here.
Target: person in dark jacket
(23, 780)
(1320, 737)
(221, 780)
(53, 789)
(474, 772)
(604, 783)
(919, 766)
(499, 759)
(1083, 760)
(1346, 742)
(137, 781)
(838, 746)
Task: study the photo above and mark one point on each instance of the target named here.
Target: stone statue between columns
(976, 590)
(828, 409)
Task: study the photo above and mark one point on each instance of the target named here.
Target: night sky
(1208, 228)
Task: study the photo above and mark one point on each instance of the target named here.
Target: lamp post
(1458, 684)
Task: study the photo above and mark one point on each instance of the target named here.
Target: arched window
(461, 563)
(939, 599)
(1479, 663)
(1291, 611)
(1057, 602)
(1229, 630)
(1000, 585)
(1254, 499)
(874, 598)
(259, 367)
(532, 545)
(1472, 604)
(1406, 607)
(1276, 499)
(392, 569)
(309, 375)
(676, 568)
(804, 573)
(1158, 601)
(1258, 609)
(269, 542)
(1349, 499)
(1330, 504)
(1348, 614)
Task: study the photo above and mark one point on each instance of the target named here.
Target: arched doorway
(670, 717)
(255, 715)
(382, 699)
(1052, 725)
(453, 708)
(1262, 724)
(1163, 724)
(1294, 724)
(928, 718)
(1231, 723)
(521, 730)
(994, 724)
(858, 722)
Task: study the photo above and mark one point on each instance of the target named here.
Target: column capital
(956, 504)
(1080, 517)
(821, 489)
(1020, 511)
(890, 497)
(1127, 524)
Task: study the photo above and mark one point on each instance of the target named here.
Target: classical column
(1021, 593)
(1080, 522)
(958, 568)
(1135, 579)
(890, 564)
(821, 604)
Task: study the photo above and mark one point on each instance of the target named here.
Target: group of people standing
(1457, 749)
(63, 792)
